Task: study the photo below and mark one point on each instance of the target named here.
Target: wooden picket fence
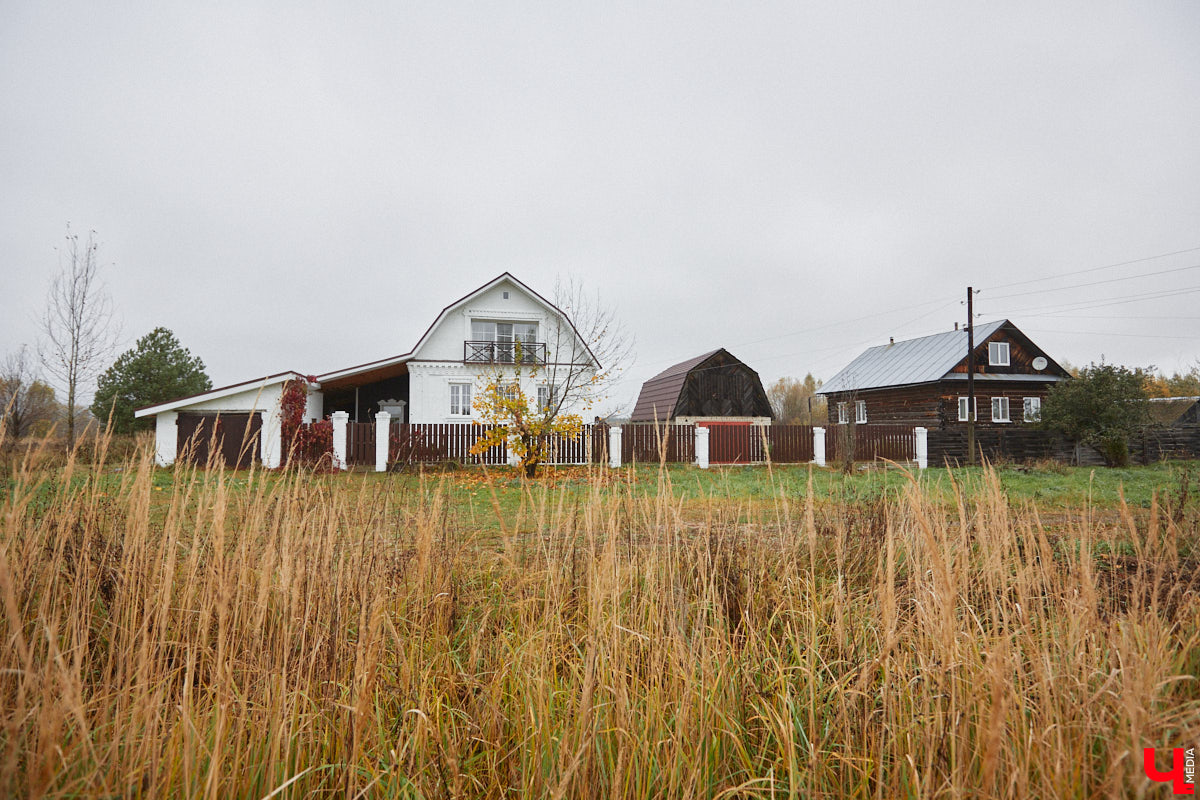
(640, 443)
(790, 444)
(871, 442)
(360, 443)
(590, 446)
(431, 442)
(649, 442)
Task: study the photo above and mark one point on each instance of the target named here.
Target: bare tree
(585, 350)
(795, 402)
(26, 403)
(78, 333)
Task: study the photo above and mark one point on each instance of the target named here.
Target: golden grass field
(190, 633)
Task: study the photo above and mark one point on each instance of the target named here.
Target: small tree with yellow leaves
(585, 347)
(529, 427)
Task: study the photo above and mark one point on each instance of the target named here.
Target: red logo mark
(1183, 769)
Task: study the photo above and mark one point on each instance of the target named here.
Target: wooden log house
(923, 382)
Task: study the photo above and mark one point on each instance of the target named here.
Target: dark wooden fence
(1024, 444)
(589, 446)
(736, 443)
(871, 442)
(756, 444)
(360, 443)
(791, 444)
(648, 442)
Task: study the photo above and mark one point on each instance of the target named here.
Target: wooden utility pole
(970, 376)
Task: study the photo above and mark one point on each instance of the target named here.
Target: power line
(1094, 269)
(1112, 316)
(1085, 305)
(1097, 283)
(1111, 333)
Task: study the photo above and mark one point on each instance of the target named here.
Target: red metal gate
(734, 442)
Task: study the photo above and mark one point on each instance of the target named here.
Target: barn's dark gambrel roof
(659, 394)
(714, 384)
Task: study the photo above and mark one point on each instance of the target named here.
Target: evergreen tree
(156, 370)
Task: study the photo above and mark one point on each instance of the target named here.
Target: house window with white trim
(1000, 409)
(543, 398)
(843, 415)
(1033, 409)
(998, 354)
(962, 409)
(860, 411)
(460, 399)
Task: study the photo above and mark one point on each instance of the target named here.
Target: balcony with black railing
(486, 352)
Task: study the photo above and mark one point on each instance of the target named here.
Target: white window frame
(543, 398)
(1002, 404)
(860, 412)
(997, 350)
(843, 416)
(456, 399)
(962, 405)
(1031, 410)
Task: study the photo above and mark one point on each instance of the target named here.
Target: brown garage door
(234, 437)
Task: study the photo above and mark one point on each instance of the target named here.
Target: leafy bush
(1102, 407)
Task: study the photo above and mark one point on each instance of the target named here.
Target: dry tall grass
(329, 636)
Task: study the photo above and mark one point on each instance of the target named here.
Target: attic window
(998, 354)
(506, 295)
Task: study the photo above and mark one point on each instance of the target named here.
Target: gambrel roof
(659, 394)
(713, 384)
(923, 360)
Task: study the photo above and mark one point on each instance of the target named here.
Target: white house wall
(445, 342)
(429, 389)
(264, 399)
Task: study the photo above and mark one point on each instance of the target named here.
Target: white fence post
(614, 447)
(819, 446)
(339, 419)
(701, 447)
(271, 450)
(383, 430)
(922, 446)
(166, 437)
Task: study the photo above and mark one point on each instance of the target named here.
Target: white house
(502, 329)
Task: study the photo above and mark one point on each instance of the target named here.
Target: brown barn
(714, 387)
(924, 381)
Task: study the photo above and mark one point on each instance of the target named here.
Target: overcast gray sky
(292, 186)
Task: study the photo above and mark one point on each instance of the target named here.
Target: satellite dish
(1040, 363)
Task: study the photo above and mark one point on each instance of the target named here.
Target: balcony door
(504, 336)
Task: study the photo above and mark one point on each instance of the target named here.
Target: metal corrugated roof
(922, 360)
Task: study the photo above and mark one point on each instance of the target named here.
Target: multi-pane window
(1033, 409)
(860, 411)
(998, 354)
(843, 415)
(962, 409)
(1000, 409)
(543, 398)
(504, 332)
(460, 399)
